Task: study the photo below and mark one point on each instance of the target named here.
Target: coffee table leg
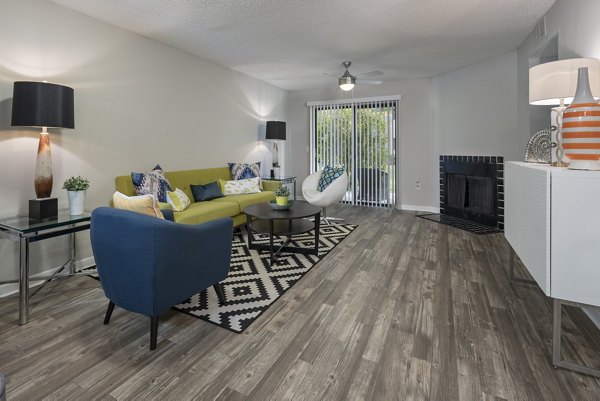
(271, 240)
(317, 231)
(248, 222)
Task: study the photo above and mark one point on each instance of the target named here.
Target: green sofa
(200, 212)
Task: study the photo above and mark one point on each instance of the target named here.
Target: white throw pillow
(145, 204)
(239, 187)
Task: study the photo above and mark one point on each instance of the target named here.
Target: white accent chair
(332, 194)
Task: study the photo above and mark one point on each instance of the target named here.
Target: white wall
(475, 109)
(416, 156)
(469, 111)
(137, 103)
(576, 24)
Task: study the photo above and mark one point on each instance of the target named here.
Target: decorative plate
(275, 206)
(539, 148)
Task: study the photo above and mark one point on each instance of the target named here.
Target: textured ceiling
(292, 43)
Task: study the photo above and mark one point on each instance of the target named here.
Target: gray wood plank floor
(403, 309)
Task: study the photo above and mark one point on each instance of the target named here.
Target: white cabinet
(552, 221)
(527, 217)
(575, 236)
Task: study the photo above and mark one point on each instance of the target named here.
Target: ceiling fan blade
(370, 74)
(369, 82)
(332, 74)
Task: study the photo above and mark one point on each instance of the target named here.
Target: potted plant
(76, 187)
(281, 195)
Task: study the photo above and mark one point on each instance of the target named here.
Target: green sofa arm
(269, 185)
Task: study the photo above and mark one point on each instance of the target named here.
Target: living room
(140, 102)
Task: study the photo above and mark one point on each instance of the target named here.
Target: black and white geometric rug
(253, 285)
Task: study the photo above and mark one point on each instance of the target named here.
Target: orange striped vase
(581, 131)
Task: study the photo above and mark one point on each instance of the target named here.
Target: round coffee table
(263, 219)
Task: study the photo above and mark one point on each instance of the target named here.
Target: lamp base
(45, 208)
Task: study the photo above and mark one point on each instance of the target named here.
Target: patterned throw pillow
(206, 192)
(242, 171)
(239, 187)
(329, 175)
(152, 183)
(178, 200)
(145, 204)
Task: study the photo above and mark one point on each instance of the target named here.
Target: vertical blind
(359, 135)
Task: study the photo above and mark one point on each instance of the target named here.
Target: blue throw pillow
(153, 183)
(329, 175)
(243, 171)
(206, 192)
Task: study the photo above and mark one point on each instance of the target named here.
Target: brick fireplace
(472, 188)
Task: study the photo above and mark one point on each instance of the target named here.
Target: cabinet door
(576, 236)
(527, 218)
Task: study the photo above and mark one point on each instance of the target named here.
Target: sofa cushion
(178, 200)
(206, 192)
(239, 187)
(241, 171)
(183, 178)
(144, 204)
(329, 175)
(200, 212)
(246, 200)
(152, 183)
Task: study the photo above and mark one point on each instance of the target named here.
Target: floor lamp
(42, 105)
(275, 132)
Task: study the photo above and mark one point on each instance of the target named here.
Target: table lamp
(275, 132)
(42, 105)
(555, 84)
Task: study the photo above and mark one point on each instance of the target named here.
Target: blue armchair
(147, 265)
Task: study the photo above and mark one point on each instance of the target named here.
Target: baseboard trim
(13, 288)
(417, 208)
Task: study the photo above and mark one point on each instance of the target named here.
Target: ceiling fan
(347, 80)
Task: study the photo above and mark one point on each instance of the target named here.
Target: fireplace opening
(475, 194)
(471, 188)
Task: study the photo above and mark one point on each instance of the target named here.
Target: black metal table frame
(274, 254)
(27, 238)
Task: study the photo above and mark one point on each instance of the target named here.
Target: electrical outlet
(418, 185)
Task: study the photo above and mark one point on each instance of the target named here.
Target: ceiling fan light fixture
(346, 82)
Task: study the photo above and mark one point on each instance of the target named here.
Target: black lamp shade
(276, 130)
(40, 104)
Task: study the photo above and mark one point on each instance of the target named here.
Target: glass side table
(26, 231)
(284, 181)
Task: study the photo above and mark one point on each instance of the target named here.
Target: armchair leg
(328, 220)
(109, 311)
(153, 331)
(220, 293)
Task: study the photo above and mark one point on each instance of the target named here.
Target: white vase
(76, 202)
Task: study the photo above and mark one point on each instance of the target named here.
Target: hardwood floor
(403, 309)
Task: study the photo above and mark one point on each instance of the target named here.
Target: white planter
(76, 202)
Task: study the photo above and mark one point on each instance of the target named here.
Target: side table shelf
(27, 231)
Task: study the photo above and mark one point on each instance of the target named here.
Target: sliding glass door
(361, 137)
